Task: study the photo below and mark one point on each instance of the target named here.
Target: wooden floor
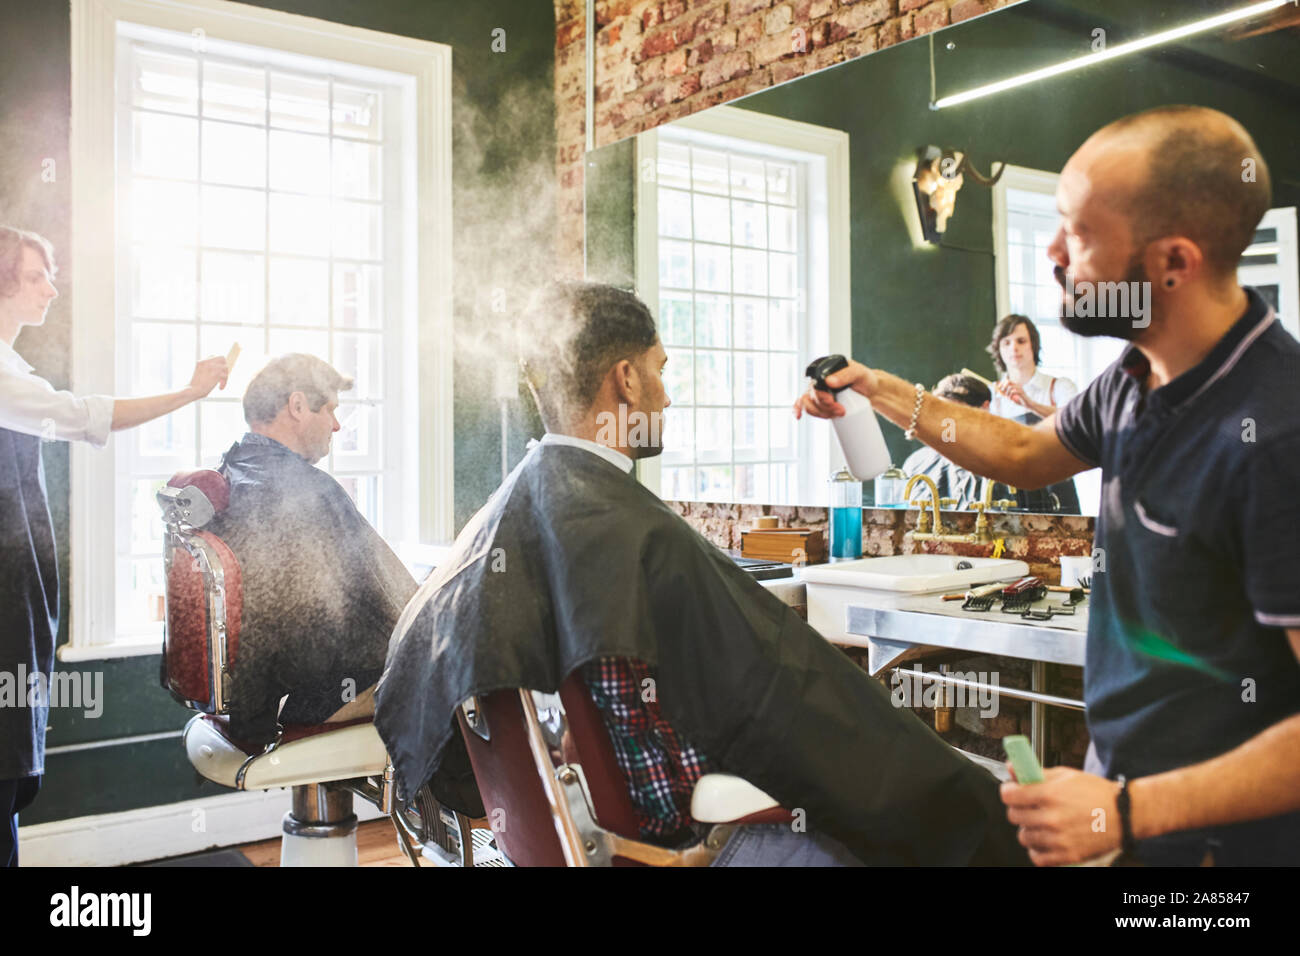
(376, 846)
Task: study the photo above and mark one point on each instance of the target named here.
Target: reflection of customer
(952, 480)
(1023, 392)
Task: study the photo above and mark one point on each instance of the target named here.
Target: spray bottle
(858, 431)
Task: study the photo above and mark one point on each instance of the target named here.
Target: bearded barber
(31, 410)
(1192, 675)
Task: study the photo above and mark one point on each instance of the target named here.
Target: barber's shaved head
(1198, 174)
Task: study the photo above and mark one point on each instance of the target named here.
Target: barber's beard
(1117, 327)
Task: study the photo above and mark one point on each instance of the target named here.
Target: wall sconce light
(940, 174)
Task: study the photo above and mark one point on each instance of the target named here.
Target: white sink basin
(915, 573)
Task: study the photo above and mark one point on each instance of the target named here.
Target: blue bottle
(846, 517)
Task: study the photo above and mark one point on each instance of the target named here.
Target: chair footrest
(354, 750)
(722, 798)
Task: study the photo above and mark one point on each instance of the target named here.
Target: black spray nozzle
(818, 369)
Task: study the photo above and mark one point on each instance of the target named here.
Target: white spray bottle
(858, 431)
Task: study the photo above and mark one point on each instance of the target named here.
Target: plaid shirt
(660, 766)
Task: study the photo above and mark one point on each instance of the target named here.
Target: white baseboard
(153, 833)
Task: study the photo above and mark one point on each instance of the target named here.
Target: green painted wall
(923, 313)
(504, 116)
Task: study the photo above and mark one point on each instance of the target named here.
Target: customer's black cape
(571, 560)
(322, 590)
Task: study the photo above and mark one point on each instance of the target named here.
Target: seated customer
(322, 591)
(574, 565)
(951, 480)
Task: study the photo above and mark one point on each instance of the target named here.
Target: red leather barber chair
(555, 795)
(324, 765)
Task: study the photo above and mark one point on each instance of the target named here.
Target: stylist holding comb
(32, 411)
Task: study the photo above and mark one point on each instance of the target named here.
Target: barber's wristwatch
(1127, 842)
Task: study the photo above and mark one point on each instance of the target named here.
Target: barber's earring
(1170, 283)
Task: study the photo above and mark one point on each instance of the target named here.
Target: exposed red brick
(652, 16)
(743, 8)
(787, 70)
(749, 32)
(675, 63)
(569, 31)
(1049, 548)
(568, 9)
(828, 57)
(725, 68)
(653, 98)
(859, 44)
(707, 22)
(659, 43)
(965, 9)
(777, 19)
(681, 87)
(866, 13)
(650, 71)
(931, 18)
(807, 10)
(607, 11)
(905, 5)
(571, 55)
(610, 35)
(672, 8)
(571, 177)
(700, 54)
(777, 47)
(895, 31)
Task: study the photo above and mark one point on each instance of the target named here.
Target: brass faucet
(981, 534)
(922, 519)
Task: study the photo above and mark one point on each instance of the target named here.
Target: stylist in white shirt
(28, 403)
(1022, 387)
(32, 412)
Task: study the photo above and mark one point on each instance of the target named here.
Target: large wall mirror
(789, 224)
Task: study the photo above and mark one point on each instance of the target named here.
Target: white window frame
(827, 319)
(1087, 483)
(1283, 273)
(427, 267)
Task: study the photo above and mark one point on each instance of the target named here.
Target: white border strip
(155, 833)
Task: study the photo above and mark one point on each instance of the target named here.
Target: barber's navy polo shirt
(1199, 527)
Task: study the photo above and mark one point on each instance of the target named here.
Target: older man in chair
(322, 590)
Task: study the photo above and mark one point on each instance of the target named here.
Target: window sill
(74, 653)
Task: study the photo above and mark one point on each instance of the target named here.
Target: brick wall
(1038, 540)
(659, 60)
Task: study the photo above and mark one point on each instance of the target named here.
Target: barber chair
(555, 795)
(324, 765)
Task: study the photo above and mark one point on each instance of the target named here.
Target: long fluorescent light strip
(1131, 47)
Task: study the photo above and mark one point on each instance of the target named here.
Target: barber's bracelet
(1122, 804)
(910, 434)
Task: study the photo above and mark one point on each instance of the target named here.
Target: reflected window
(734, 266)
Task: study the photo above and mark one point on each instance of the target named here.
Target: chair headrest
(193, 498)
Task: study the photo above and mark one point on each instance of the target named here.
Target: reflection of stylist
(1022, 387)
(30, 411)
